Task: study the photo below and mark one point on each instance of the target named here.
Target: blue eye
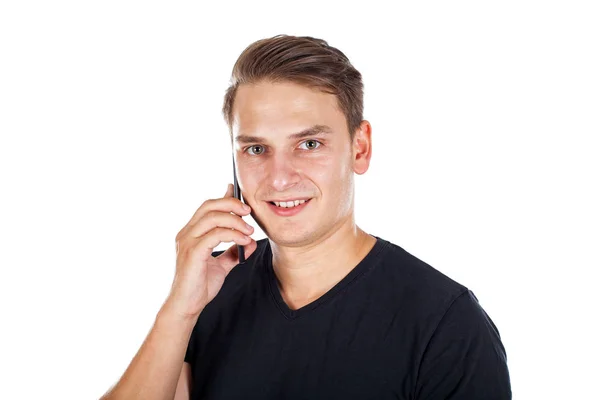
(256, 146)
(316, 144)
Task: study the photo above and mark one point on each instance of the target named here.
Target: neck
(306, 273)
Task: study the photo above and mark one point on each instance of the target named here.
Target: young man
(320, 309)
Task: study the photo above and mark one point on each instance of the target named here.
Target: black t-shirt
(393, 328)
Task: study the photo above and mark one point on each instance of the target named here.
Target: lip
(288, 212)
(290, 199)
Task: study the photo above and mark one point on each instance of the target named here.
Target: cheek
(323, 169)
(249, 179)
(333, 175)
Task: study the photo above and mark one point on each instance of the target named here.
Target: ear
(361, 148)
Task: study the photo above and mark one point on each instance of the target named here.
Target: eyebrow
(315, 130)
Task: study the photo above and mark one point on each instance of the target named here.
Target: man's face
(273, 166)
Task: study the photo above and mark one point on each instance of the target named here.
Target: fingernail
(246, 207)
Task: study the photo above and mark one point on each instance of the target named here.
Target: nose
(282, 172)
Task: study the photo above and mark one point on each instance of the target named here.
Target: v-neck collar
(369, 261)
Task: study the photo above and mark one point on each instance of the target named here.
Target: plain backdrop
(485, 165)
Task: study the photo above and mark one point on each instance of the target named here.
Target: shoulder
(432, 295)
(410, 279)
(460, 349)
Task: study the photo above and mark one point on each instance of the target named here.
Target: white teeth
(288, 204)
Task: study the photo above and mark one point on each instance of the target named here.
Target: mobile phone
(237, 193)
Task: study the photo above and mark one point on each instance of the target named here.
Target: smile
(289, 204)
(288, 208)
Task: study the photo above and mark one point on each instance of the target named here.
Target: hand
(199, 276)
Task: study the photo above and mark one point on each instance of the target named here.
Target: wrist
(170, 312)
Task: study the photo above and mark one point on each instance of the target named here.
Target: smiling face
(290, 143)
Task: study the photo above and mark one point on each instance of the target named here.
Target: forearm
(154, 371)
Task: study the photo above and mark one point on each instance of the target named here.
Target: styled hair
(303, 60)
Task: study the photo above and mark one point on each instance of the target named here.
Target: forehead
(283, 107)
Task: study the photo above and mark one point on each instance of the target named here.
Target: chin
(290, 237)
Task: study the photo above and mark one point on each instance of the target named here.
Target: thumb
(229, 258)
(229, 192)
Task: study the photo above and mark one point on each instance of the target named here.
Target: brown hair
(304, 60)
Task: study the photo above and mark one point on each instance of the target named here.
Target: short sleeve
(189, 352)
(465, 358)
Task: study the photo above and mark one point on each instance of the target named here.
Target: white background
(485, 165)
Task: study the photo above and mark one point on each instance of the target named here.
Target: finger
(216, 219)
(225, 204)
(229, 258)
(205, 246)
(229, 192)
